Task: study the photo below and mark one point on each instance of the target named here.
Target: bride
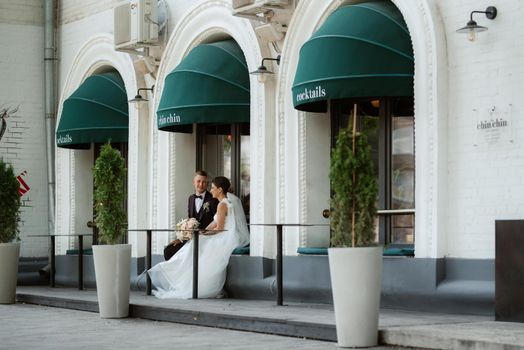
(174, 278)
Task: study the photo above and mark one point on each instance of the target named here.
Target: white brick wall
(485, 179)
(74, 34)
(23, 145)
(74, 10)
(25, 12)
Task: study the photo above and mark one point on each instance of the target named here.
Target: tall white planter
(9, 253)
(356, 284)
(112, 272)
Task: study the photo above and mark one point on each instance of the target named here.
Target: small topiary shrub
(109, 180)
(354, 187)
(9, 204)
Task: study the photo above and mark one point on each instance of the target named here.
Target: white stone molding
(294, 163)
(292, 172)
(173, 164)
(74, 174)
(431, 113)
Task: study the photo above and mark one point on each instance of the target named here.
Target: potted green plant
(355, 261)
(112, 260)
(9, 219)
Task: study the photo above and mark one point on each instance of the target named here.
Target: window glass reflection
(216, 155)
(226, 152)
(245, 172)
(402, 172)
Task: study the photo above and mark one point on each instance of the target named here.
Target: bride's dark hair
(222, 182)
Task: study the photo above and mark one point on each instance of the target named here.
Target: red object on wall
(24, 187)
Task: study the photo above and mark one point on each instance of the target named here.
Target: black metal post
(148, 262)
(195, 264)
(80, 262)
(52, 272)
(279, 265)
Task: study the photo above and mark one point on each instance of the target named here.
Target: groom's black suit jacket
(204, 217)
(207, 211)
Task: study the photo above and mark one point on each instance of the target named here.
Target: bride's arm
(220, 221)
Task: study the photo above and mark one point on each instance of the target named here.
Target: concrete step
(488, 335)
(29, 272)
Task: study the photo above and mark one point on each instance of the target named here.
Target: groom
(201, 206)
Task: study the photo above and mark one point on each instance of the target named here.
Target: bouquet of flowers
(188, 224)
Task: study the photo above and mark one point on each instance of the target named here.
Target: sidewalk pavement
(313, 321)
(26, 326)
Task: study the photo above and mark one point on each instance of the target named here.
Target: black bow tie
(201, 196)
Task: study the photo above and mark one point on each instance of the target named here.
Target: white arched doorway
(173, 163)
(301, 165)
(74, 167)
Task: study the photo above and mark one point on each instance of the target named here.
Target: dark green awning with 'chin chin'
(362, 50)
(96, 112)
(210, 85)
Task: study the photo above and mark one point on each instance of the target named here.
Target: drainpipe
(50, 10)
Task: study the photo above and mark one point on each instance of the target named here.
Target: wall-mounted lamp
(138, 98)
(472, 28)
(262, 71)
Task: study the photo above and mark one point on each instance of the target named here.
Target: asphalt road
(24, 326)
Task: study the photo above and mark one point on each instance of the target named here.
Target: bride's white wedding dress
(174, 278)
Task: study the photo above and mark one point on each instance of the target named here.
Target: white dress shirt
(199, 201)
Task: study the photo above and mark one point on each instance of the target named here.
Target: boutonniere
(205, 206)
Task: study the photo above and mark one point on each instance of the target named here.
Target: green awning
(362, 50)
(210, 85)
(96, 112)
